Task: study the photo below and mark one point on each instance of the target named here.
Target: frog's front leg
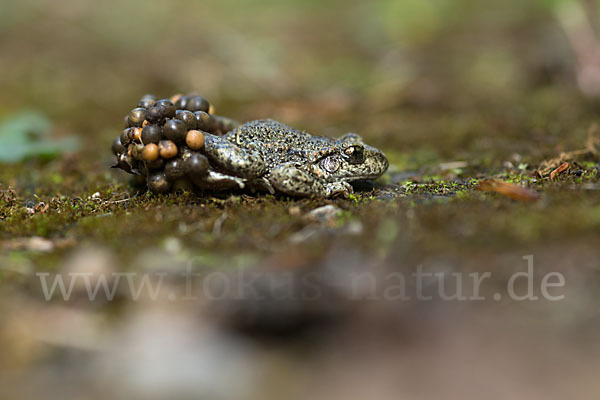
(233, 159)
(289, 179)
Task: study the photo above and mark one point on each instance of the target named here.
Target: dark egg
(117, 147)
(196, 165)
(152, 134)
(147, 101)
(136, 151)
(124, 137)
(160, 110)
(174, 169)
(181, 103)
(198, 103)
(167, 106)
(203, 120)
(137, 116)
(157, 164)
(158, 183)
(183, 185)
(187, 117)
(175, 130)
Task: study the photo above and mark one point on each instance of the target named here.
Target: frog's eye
(331, 164)
(354, 154)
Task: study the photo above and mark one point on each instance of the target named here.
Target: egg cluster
(163, 140)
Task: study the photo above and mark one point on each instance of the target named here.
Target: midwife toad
(272, 156)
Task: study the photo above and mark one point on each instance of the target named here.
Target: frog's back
(277, 142)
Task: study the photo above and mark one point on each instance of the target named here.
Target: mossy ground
(81, 199)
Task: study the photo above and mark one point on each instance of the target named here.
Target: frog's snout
(377, 162)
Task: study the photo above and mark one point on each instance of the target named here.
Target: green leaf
(27, 135)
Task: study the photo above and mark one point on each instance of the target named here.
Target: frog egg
(167, 106)
(150, 152)
(198, 103)
(152, 134)
(136, 151)
(181, 103)
(167, 149)
(203, 120)
(196, 165)
(175, 130)
(174, 169)
(183, 185)
(155, 165)
(117, 147)
(160, 110)
(175, 98)
(158, 183)
(124, 137)
(137, 116)
(195, 140)
(147, 101)
(149, 96)
(154, 114)
(135, 134)
(187, 117)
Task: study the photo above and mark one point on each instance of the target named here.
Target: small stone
(324, 215)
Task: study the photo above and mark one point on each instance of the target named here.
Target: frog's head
(352, 160)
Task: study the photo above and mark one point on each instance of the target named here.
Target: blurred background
(319, 65)
(488, 87)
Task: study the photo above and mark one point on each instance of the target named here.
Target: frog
(271, 156)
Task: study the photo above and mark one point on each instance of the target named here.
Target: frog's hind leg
(233, 159)
(289, 179)
(221, 125)
(218, 181)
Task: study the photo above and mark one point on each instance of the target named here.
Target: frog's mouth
(361, 164)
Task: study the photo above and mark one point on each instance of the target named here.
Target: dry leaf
(559, 170)
(592, 148)
(510, 190)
